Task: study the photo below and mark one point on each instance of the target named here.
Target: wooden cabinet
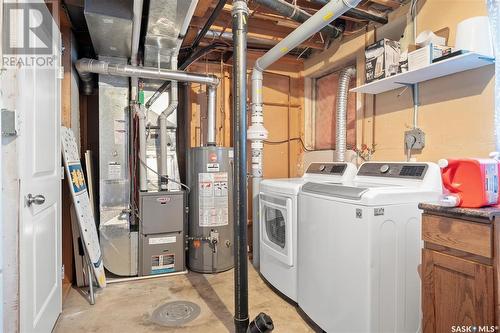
(458, 273)
(456, 292)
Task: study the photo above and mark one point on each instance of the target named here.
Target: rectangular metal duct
(165, 20)
(110, 26)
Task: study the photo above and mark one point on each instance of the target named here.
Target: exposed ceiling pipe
(191, 50)
(211, 19)
(86, 65)
(341, 123)
(293, 12)
(359, 13)
(257, 132)
(136, 31)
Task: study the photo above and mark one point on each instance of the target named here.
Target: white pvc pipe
(211, 116)
(257, 132)
(143, 175)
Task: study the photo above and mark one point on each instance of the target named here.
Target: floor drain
(175, 313)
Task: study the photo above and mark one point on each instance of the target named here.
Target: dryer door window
(275, 226)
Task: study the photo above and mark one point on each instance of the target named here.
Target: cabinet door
(455, 292)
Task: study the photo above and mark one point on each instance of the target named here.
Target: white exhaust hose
(257, 133)
(163, 129)
(342, 95)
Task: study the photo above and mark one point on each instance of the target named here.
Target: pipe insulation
(257, 132)
(211, 116)
(341, 130)
(85, 65)
(294, 12)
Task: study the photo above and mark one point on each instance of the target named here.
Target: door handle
(35, 199)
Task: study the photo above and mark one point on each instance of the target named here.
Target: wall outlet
(415, 139)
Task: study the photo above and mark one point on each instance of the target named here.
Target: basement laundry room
(250, 166)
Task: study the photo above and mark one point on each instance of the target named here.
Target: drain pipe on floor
(341, 129)
(257, 133)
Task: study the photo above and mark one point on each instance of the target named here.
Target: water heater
(210, 229)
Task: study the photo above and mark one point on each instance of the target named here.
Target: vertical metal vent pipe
(341, 130)
(211, 116)
(173, 103)
(257, 133)
(240, 20)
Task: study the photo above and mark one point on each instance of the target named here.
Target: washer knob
(322, 167)
(384, 168)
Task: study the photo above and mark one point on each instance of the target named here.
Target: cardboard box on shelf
(382, 59)
(423, 57)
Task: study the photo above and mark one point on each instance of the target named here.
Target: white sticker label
(114, 171)
(162, 240)
(212, 167)
(213, 201)
(230, 153)
(120, 131)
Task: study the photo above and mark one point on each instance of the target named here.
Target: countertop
(488, 213)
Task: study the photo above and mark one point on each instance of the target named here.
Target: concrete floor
(127, 306)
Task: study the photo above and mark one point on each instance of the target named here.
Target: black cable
(303, 144)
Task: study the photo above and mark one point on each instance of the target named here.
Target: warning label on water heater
(213, 199)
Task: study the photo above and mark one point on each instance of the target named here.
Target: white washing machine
(278, 222)
(360, 247)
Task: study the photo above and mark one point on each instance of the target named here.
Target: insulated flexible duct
(341, 130)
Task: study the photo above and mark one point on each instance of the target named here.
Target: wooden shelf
(449, 66)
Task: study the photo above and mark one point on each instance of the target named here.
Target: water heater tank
(210, 230)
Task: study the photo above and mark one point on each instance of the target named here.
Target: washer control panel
(327, 168)
(393, 170)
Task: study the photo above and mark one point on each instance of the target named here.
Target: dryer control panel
(394, 170)
(327, 168)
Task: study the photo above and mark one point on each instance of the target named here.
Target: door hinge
(60, 74)
(62, 272)
(9, 123)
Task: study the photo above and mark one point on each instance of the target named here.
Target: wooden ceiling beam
(202, 8)
(388, 3)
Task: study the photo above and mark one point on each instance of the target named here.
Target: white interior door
(40, 170)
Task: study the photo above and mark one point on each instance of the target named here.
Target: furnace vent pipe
(257, 132)
(211, 116)
(341, 130)
(174, 102)
(85, 65)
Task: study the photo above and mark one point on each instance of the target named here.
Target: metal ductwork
(359, 13)
(257, 132)
(167, 23)
(110, 26)
(341, 130)
(293, 12)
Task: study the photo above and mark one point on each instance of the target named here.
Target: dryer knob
(384, 168)
(322, 167)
